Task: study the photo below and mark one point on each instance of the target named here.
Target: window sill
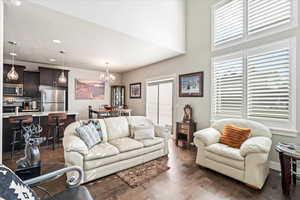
(284, 132)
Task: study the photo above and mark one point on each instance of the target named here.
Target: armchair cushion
(12, 187)
(208, 136)
(225, 151)
(256, 145)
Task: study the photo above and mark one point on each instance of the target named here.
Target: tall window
(257, 84)
(241, 20)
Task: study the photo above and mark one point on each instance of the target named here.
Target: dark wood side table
(185, 128)
(288, 162)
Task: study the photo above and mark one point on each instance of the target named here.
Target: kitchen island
(38, 117)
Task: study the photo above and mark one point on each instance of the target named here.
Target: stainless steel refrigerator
(52, 99)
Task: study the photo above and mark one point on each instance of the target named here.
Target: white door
(159, 105)
(152, 102)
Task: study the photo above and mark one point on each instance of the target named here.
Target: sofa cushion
(225, 151)
(101, 150)
(126, 144)
(89, 134)
(138, 121)
(92, 164)
(117, 127)
(151, 142)
(143, 132)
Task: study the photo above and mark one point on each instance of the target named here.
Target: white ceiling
(127, 33)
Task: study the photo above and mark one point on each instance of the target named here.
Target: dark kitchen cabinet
(50, 77)
(31, 84)
(19, 70)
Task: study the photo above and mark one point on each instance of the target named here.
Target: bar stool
(55, 122)
(18, 122)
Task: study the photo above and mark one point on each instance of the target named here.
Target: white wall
(81, 106)
(197, 58)
(1, 72)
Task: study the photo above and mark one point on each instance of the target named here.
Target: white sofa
(248, 164)
(118, 151)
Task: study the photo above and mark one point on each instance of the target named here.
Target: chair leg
(13, 145)
(53, 138)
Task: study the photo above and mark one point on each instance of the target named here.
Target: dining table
(114, 112)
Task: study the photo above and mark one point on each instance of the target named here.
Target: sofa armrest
(74, 143)
(256, 145)
(208, 136)
(161, 131)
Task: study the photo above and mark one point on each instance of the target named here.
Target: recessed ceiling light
(12, 54)
(56, 41)
(52, 60)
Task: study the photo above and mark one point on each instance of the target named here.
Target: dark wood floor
(183, 181)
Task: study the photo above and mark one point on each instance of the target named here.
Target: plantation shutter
(228, 22)
(228, 86)
(269, 84)
(266, 14)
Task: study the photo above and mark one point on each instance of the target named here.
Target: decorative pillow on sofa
(12, 187)
(96, 123)
(143, 132)
(89, 134)
(234, 136)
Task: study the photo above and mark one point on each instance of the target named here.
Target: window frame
(255, 36)
(274, 124)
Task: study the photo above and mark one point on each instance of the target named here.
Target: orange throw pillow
(234, 136)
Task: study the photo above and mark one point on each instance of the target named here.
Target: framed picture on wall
(89, 89)
(191, 85)
(135, 90)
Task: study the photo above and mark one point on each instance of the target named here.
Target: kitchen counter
(34, 114)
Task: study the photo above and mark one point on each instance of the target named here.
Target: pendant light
(62, 78)
(12, 74)
(107, 77)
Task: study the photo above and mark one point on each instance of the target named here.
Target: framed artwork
(191, 85)
(89, 89)
(136, 90)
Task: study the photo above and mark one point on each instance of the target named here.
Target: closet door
(165, 104)
(152, 103)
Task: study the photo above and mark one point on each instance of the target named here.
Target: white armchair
(248, 164)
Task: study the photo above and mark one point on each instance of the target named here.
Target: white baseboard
(276, 166)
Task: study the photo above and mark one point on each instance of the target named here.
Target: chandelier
(12, 74)
(62, 78)
(106, 76)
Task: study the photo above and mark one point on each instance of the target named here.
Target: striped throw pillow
(89, 134)
(234, 136)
